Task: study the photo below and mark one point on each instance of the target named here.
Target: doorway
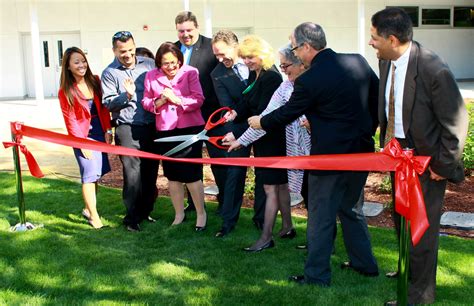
(52, 47)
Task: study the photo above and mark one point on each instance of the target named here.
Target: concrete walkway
(55, 159)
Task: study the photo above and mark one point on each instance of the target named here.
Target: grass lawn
(68, 263)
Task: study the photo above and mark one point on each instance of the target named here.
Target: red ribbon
(30, 159)
(409, 198)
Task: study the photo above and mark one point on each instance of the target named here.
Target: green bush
(468, 154)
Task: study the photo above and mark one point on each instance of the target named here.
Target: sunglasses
(121, 35)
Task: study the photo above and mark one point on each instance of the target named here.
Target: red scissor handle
(217, 141)
(210, 124)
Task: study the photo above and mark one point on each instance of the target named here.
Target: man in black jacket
(197, 52)
(230, 80)
(338, 95)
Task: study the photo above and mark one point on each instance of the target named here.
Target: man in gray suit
(230, 80)
(420, 105)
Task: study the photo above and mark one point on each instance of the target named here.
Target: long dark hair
(67, 79)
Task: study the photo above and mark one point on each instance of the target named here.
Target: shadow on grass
(67, 262)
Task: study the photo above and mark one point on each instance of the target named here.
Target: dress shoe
(301, 247)
(299, 279)
(182, 221)
(133, 227)
(223, 232)
(269, 244)
(394, 303)
(348, 265)
(201, 228)
(391, 274)
(150, 219)
(289, 234)
(96, 227)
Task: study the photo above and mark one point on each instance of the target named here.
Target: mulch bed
(459, 197)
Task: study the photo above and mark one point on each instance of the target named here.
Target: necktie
(390, 131)
(237, 72)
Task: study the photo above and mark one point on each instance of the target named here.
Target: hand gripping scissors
(188, 140)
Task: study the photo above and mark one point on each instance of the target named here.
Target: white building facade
(34, 33)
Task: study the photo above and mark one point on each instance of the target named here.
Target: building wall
(97, 20)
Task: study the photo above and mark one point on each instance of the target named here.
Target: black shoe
(222, 233)
(392, 274)
(347, 265)
(258, 225)
(269, 244)
(182, 221)
(301, 247)
(290, 234)
(299, 279)
(133, 227)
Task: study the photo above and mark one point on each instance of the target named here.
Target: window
(412, 11)
(46, 53)
(60, 52)
(463, 17)
(435, 16)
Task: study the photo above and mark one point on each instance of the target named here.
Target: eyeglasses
(121, 35)
(169, 64)
(284, 67)
(297, 46)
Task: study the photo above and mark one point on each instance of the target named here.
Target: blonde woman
(264, 80)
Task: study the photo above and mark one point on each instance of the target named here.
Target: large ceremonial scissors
(188, 140)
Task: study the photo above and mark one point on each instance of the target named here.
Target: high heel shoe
(201, 228)
(182, 221)
(269, 244)
(86, 214)
(289, 234)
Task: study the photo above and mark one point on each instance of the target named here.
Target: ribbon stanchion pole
(403, 262)
(23, 226)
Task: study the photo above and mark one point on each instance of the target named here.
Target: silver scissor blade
(174, 138)
(183, 145)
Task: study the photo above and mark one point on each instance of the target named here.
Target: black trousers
(424, 257)
(330, 196)
(139, 174)
(234, 192)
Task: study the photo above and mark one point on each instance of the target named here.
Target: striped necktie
(390, 131)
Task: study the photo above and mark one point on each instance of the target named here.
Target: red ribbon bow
(30, 159)
(408, 193)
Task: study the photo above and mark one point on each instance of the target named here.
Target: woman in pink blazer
(80, 100)
(173, 93)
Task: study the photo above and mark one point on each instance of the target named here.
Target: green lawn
(68, 263)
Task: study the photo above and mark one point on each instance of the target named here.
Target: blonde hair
(253, 45)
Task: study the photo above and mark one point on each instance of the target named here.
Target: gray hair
(289, 55)
(310, 33)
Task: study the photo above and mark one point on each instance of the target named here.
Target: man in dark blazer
(230, 80)
(430, 117)
(338, 94)
(197, 51)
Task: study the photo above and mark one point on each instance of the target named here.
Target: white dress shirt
(401, 65)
